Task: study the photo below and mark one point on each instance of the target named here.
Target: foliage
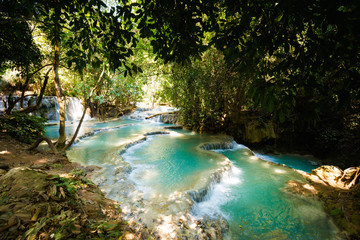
(17, 44)
(208, 92)
(54, 207)
(24, 127)
(175, 28)
(303, 58)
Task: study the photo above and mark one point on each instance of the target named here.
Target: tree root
(40, 140)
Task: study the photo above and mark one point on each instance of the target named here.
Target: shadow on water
(156, 175)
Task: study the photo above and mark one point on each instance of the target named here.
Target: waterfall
(219, 145)
(49, 108)
(74, 109)
(142, 112)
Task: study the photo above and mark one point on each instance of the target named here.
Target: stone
(328, 174)
(91, 168)
(256, 131)
(19, 179)
(335, 177)
(351, 176)
(301, 188)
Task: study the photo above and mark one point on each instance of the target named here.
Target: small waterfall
(202, 194)
(209, 201)
(219, 145)
(1, 106)
(142, 113)
(74, 109)
(49, 107)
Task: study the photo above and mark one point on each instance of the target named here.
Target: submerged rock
(156, 133)
(174, 127)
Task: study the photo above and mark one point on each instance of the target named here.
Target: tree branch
(40, 97)
(40, 140)
(85, 108)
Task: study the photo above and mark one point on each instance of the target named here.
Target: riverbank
(341, 201)
(44, 196)
(339, 191)
(99, 215)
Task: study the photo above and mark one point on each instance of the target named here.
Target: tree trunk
(61, 99)
(85, 108)
(24, 88)
(11, 103)
(49, 142)
(30, 109)
(28, 77)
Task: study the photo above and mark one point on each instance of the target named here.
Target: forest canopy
(293, 62)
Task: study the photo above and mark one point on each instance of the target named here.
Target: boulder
(256, 131)
(351, 176)
(335, 177)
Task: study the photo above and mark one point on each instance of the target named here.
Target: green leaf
(336, 211)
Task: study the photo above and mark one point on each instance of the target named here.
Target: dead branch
(155, 115)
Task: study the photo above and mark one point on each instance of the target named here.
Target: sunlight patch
(279, 171)
(254, 158)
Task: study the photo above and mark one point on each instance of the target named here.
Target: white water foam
(142, 112)
(235, 147)
(218, 196)
(140, 172)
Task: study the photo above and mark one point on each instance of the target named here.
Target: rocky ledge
(339, 190)
(170, 217)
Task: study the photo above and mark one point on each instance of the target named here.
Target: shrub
(23, 127)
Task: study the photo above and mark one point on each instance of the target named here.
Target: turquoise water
(252, 199)
(250, 196)
(304, 163)
(52, 131)
(168, 163)
(99, 149)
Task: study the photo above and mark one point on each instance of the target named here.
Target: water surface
(250, 196)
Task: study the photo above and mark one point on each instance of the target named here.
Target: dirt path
(15, 154)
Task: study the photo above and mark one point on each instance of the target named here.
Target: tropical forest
(179, 119)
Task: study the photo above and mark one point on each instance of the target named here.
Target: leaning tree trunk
(26, 84)
(30, 109)
(61, 99)
(11, 103)
(85, 108)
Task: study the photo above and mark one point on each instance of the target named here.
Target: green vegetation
(23, 127)
(294, 64)
(56, 207)
(207, 92)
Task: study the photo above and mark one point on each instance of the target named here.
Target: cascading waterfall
(142, 112)
(74, 109)
(49, 108)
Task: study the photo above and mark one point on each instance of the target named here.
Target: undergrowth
(23, 127)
